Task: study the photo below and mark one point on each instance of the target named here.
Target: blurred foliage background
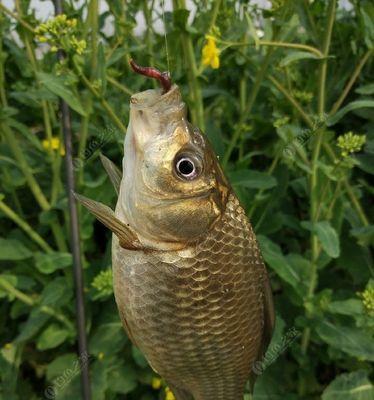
(285, 95)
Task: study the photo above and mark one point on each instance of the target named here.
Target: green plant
(289, 111)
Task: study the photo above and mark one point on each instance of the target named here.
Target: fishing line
(165, 35)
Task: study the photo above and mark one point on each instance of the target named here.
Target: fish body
(198, 314)
(190, 285)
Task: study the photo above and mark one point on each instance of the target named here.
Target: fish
(190, 284)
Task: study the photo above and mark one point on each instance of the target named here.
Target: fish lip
(156, 99)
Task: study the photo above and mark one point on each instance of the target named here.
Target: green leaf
(107, 339)
(56, 85)
(10, 361)
(365, 89)
(296, 56)
(351, 386)
(8, 280)
(367, 19)
(356, 260)
(302, 268)
(364, 234)
(51, 262)
(252, 30)
(58, 291)
(252, 179)
(350, 307)
(101, 68)
(139, 357)
(366, 162)
(99, 380)
(277, 261)
(35, 322)
(116, 55)
(51, 337)
(328, 237)
(355, 105)
(122, 379)
(180, 18)
(12, 249)
(60, 364)
(351, 340)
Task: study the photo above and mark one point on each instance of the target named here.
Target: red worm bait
(163, 77)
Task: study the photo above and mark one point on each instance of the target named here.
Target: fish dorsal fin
(127, 237)
(114, 173)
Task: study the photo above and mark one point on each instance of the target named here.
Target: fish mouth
(157, 101)
(153, 113)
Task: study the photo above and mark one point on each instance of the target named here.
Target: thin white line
(165, 35)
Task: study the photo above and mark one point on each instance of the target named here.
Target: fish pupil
(185, 167)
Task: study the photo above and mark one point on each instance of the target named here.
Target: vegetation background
(285, 96)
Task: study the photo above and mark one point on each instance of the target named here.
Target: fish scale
(197, 314)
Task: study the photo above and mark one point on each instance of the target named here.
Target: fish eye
(187, 166)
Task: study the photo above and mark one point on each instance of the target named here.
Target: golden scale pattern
(198, 314)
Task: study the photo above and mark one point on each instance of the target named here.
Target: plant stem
(311, 19)
(215, 10)
(55, 227)
(25, 168)
(248, 109)
(5, 285)
(2, 75)
(25, 226)
(259, 193)
(192, 71)
(33, 184)
(242, 103)
(351, 82)
(298, 108)
(292, 100)
(17, 18)
(119, 86)
(314, 174)
(355, 202)
(82, 145)
(333, 200)
(323, 194)
(103, 102)
(325, 52)
(93, 19)
(148, 34)
(270, 43)
(298, 46)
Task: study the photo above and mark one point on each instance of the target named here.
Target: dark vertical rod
(74, 237)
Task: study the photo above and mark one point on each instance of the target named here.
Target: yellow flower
(169, 394)
(368, 299)
(78, 45)
(350, 143)
(103, 282)
(210, 53)
(53, 144)
(41, 39)
(60, 32)
(156, 383)
(72, 22)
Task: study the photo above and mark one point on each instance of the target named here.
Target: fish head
(173, 189)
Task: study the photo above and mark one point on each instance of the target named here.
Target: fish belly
(197, 315)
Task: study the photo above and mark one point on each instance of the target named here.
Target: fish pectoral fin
(114, 173)
(127, 238)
